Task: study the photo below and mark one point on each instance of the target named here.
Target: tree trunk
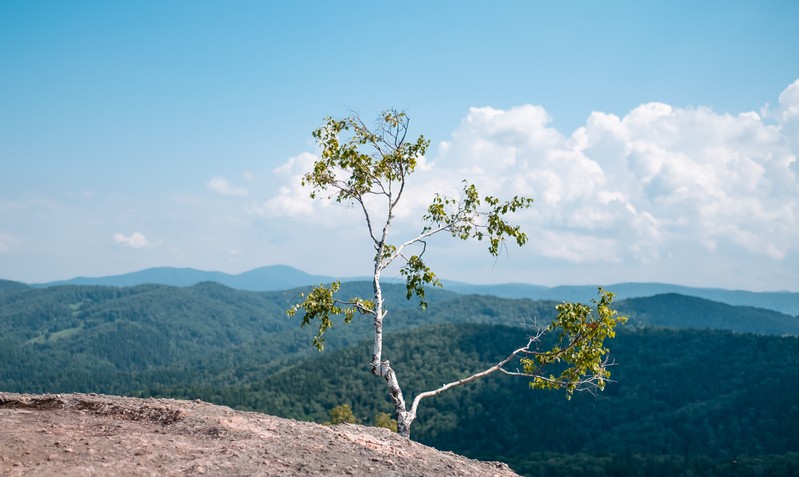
(377, 350)
(404, 424)
(383, 368)
(404, 417)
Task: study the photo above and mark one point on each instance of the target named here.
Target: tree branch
(471, 378)
(368, 218)
(589, 383)
(419, 238)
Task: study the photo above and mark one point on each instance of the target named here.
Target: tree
(368, 167)
(383, 419)
(341, 414)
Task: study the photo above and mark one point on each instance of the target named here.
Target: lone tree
(368, 167)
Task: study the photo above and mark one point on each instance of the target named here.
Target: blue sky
(659, 139)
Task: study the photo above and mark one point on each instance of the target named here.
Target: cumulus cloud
(631, 188)
(134, 240)
(786, 116)
(293, 201)
(223, 187)
(788, 105)
(658, 177)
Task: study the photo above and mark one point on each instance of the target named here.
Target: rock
(171, 437)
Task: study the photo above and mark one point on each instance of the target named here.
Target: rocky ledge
(97, 435)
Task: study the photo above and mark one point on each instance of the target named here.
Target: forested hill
(213, 315)
(75, 338)
(783, 301)
(684, 402)
(8, 285)
(693, 399)
(281, 277)
(687, 312)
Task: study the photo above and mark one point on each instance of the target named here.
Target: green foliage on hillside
(687, 312)
(681, 397)
(114, 340)
(700, 401)
(342, 414)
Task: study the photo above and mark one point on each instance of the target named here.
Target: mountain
(783, 301)
(10, 286)
(114, 339)
(269, 278)
(686, 402)
(688, 398)
(675, 311)
(118, 339)
(283, 277)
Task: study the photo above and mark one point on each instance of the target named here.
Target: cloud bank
(632, 189)
(637, 186)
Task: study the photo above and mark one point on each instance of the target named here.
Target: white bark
(469, 379)
(382, 368)
(377, 350)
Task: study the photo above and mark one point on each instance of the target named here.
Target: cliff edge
(96, 435)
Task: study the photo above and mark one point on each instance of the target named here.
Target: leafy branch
(320, 304)
(580, 346)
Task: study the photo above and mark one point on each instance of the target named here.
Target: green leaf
(320, 306)
(417, 275)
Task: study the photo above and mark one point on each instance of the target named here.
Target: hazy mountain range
(283, 277)
(271, 278)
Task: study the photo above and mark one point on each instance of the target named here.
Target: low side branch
(471, 378)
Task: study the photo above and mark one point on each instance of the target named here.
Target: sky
(658, 139)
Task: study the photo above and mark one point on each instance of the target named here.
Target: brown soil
(95, 435)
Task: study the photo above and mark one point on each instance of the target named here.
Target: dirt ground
(95, 435)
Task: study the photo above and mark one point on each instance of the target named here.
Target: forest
(701, 388)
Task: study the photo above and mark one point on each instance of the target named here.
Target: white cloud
(659, 177)
(223, 187)
(135, 240)
(659, 182)
(6, 243)
(787, 118)
(788, 108)
(575, 247)
(292, 199)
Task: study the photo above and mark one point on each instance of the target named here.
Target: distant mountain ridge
(782, 301)
(283, 277)
(269, 278)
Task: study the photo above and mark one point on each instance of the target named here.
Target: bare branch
(368, 218)
(471, 378)
(364, 310)
(412, 241)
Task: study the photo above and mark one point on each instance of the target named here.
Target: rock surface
(95, 435)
